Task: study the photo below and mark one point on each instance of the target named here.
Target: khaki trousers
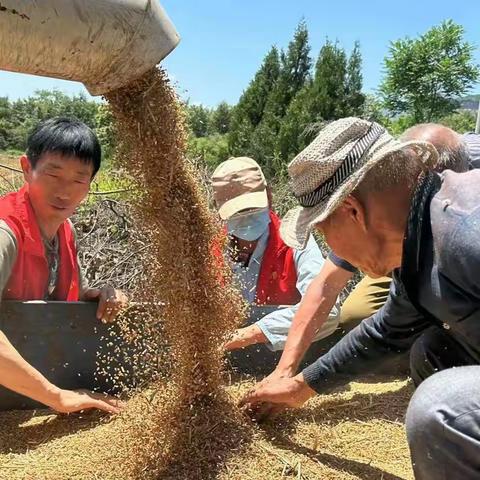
(366, 298)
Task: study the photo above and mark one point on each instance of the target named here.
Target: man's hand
(269, 398)
(110, 302)
(243, 337)
(277, 374)
(69, 401)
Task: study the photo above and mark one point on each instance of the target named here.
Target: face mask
(249, 226)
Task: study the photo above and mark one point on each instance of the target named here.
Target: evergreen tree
(220, 118)
(293, 135)
(295, 71)
(249, 111)
(198, 119)
(354, 98)
(328, 94)
(294, 74)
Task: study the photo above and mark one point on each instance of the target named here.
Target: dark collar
(418, 232)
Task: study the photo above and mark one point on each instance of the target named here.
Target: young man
(267, 271)
(38, 254)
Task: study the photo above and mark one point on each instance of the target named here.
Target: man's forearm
(18, 375)
(243, 337)
(311, 315)
(313, 312)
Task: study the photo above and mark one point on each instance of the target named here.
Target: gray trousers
(443, 418)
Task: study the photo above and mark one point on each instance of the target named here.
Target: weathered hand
(110, 302)
(243, 337)
(69, 401)
(271, 397)
(277, 374)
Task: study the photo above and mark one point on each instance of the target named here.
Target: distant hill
(470, 102)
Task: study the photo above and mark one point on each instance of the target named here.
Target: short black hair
(67, 136)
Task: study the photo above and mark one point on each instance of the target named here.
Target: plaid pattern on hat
(332, 166)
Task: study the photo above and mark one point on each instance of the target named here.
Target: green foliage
(295, 66)
(198, 120)
(293, 135)
(354, 98)
(398, 125)
(334, 92)
(462, 121)
(257, 119)
(329, 84)
(17, 118)
(220, 118)
(210, 150)
(105, 130)
(294, 75)
(249, 111)
(425, 76)
(374, 110)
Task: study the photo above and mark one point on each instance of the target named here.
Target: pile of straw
(355, 434)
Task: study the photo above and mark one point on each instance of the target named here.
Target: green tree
(295, 71)
(399, 124)
(425, 76)
(5, 123)
(328, 93)
(248, 112)
(374, 110)
(19, 117)
(354, 98)
(335, 91)
(105, 130)
(198, 120)
(220, 118)
(294, 134)
(210, 150)
(461, 121)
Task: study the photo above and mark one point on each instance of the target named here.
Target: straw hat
(332, 166)
(238, 184)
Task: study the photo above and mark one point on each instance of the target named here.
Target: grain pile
(354, 434)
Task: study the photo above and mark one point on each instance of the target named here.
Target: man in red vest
(265, 268)
(38, 254)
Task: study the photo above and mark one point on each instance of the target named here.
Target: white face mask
(249, 226)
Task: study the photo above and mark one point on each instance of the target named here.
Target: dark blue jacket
(438, 283)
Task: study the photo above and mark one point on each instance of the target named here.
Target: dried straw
(355, 434)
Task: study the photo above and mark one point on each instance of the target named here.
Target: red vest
(277, 281)
(29, 277)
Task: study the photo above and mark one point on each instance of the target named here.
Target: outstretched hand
(243, 337)
(110, 302)
(69, 401)
(268, 398)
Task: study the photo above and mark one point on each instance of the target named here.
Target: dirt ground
(357, 433)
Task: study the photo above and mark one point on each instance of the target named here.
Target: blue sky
(224, 41)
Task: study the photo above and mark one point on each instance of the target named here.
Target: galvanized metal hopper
(105, 44)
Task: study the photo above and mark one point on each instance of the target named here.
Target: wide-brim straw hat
(333, 165)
